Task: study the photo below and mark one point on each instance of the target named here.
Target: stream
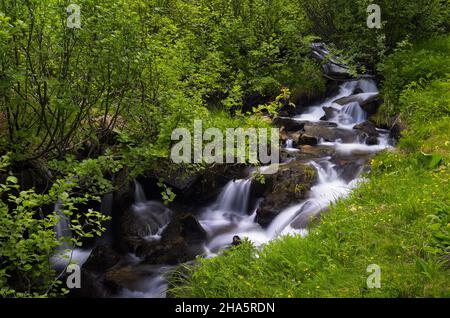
(233, 212)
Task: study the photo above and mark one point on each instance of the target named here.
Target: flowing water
(65, 253)
(233, 214)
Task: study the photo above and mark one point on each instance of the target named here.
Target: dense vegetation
(398, 219)
(77, 105)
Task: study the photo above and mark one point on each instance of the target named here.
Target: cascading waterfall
(290, 143)
(66, 253)
(351, 114)
(329, 188)
(235, 197)
(367, 85)
(62, 229)
(153, 213)
(229, 215)
(139, 194)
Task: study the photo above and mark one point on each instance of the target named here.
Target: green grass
(399, 219)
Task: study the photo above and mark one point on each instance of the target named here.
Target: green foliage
(28, 239)
(386, 221)
(139, 69)
(397, 219)
(411, 68)
(343, 23)
(167, 194)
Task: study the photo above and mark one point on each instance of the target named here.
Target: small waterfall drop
(235, 197)
(367, 85)
(66, 252)
(328, 189)
(289, 143)
(351, 114)
(155, 215)
(231, 214)
(139, 194)
(62, 228)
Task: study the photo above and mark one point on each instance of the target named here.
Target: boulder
(143, 220)
(289, 124)
(331, 67)
(129, 276)
(368, 128)
(397, 127)
(102, 258)
(288, 186)
(306, 216)
(331, 134)
(317, 151)
(306, 153)
(330, 113)
(371, 141)
(211, 181)
(294, 136)
(370, 102)
(306, 139)
(180, 242)
(349, 168)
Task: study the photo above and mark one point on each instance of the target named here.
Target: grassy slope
(399, 220)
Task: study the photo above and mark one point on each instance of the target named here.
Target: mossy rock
(286, 187)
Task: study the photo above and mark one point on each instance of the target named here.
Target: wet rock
(289, 185)
(357, 91)
(211, 181)
(349, 169)
(317, 151)
(102, 258)
(397, 128)
(370, 102)
(306, 153)
(180, 242)
(236, 241)
(306, 139)
(330, 113)
(186, 226)
(371, 141)
(294, 136)
(368, 128)
(143, 220)
(331, 67)
(331, 134)
(305, 219)
(123, 198)
(129, 276)
(289, 124)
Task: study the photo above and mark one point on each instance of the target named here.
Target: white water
(156, 217)
(351, 114)
(222, 227)
(290, 143)
(62, 229)
(152, 286)
(235, 197)
(65, 253)
(139, 195)
(232, 214)
(223, 222)
(315, 112)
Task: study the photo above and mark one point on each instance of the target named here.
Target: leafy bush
(28, 239)
(343, 23)
(413, 67)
